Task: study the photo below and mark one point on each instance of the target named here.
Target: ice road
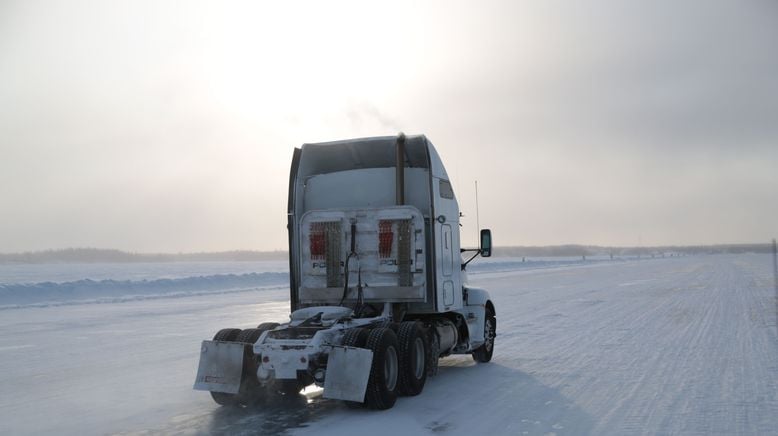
(659, 346)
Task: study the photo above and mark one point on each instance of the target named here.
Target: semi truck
(378, 284)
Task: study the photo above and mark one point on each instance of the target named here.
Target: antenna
(477, 218)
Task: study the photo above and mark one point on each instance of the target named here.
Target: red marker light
(317, 241)
(385, 238)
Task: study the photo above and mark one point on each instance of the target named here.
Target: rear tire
(250, 388)
(414, 355)
(384, 373)
(356, 337)
(227, 335)
(249, 336)
(484, 353)
(268, 326)
(223, 398)
(394, 326)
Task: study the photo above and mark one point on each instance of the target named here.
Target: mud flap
(221, 367)
(348, 370)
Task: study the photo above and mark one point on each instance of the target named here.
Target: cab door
(449, 294)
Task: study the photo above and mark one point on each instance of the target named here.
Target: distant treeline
(594, 250)
(96, 255)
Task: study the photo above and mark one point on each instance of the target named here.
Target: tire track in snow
(678, 351)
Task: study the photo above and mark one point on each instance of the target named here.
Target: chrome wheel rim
(390, 368)
(489, 332)
(418, 368)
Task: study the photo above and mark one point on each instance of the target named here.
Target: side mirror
(486, 242)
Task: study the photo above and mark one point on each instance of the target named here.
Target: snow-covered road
(661, 346)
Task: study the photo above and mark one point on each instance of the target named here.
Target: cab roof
(350, 154)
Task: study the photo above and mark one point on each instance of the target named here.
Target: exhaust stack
(400, 175)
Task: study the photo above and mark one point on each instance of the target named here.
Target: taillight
(317, 241)
(385, 238)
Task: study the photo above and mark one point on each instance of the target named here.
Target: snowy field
(654, 346)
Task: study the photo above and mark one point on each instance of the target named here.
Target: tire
(382, 385)
(222, 398)
(389, 325)
(356, 337)
(414, 355)
(484, 353)
(268, 326)
(434, 354)
(249, 336)
(250, 388)
(227, 335)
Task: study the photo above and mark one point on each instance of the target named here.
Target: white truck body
(373, 245)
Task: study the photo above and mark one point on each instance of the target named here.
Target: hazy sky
(169, 126)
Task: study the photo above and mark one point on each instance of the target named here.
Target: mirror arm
(478, 251)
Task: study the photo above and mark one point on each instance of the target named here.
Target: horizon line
(278, 251)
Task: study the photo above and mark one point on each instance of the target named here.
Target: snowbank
(103, 291)
(506, 264)
(54, 284)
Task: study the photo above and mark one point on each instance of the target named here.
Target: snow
(67, 284)
(112, 291)
(20, 273)
(655, 346)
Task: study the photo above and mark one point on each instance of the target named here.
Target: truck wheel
(356, 337)
(485, 351)
(227, 335)
(249, 336)
(434, 353)
(389, 325)
(250, 388)
(222, 398)
(414, 351)
(384, 373)
(268, 325)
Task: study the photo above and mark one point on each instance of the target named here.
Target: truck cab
(408, 216)
(376, 280)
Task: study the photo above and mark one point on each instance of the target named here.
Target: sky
(158, 126)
